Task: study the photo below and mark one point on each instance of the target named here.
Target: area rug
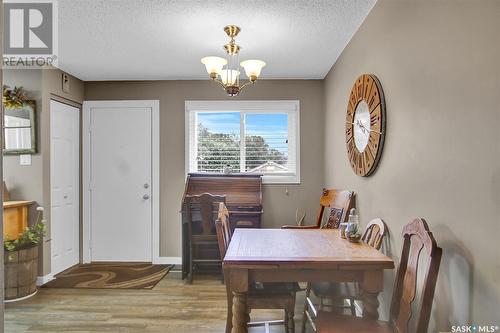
(110, 276)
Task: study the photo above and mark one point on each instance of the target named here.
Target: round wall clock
(365, 125)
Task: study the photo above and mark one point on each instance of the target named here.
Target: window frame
(290, 107)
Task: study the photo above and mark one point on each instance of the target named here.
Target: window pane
(218, 141)
(266, 143)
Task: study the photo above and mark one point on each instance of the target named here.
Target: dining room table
(288, 255)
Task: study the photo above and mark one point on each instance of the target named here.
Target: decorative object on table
(365, 125)
(342, 228)
(355, 238)
(352, 229)
(14, 98)
(21, 261)
(229, 77)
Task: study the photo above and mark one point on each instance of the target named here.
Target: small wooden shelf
(15, 218)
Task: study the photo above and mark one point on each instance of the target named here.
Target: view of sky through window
(266, 142)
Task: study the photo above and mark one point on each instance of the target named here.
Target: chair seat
(328, 322)
(349, 290)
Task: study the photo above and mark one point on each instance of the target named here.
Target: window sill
(280, 180)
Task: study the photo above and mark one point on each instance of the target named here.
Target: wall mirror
(19, 128)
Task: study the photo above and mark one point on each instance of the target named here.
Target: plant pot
(20, 270)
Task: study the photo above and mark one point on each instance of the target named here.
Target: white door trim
(154, 105)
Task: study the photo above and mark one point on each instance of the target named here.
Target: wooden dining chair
(418, 240)
(340, 203)
(202, 212)
(374, 235)
(260, 296)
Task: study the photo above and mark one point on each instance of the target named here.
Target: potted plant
(21, 261)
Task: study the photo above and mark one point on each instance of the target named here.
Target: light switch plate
(25, 159)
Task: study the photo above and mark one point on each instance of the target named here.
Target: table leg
(229, 318)
(241, 315)
(371, 285)
(370, 305)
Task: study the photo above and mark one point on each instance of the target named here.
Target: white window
(245, 137)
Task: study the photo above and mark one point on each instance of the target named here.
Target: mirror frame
(31, 106)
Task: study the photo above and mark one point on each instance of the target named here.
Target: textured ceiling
(165, 39)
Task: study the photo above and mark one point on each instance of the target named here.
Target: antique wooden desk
(284, 255)
(243, 194)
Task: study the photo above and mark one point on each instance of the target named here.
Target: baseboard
(41, 280)
(167, 261)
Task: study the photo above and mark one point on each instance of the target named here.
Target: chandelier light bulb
(253, 68)
(229, 77)
(213, 65)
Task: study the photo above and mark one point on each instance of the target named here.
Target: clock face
(365, 125)
(361, 126)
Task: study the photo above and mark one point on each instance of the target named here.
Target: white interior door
(120, 183)
(64, 183)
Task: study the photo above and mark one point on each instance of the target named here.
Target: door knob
(145, 196)
(146, 185)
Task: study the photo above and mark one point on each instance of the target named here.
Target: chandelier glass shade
(226, 72)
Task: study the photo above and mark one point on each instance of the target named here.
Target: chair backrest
(223, 229)
(374, 233)
(341, 200)
(417, 237)
(202, 208)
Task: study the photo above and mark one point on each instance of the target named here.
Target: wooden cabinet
(15, 218)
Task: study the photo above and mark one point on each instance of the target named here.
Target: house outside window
(261, 137)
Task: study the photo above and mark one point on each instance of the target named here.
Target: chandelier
(226, 72)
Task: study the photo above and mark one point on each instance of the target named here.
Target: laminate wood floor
(172, 306)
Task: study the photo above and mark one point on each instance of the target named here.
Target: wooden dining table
(287, 255)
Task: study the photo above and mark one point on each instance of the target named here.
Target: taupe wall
(278, 207)
(438, 62)
(33, 182)
(25, 182)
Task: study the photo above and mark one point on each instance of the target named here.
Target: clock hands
(363, 127)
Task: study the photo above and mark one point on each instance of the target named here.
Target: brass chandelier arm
(220, 83)
(246, 84)
(233, 90)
